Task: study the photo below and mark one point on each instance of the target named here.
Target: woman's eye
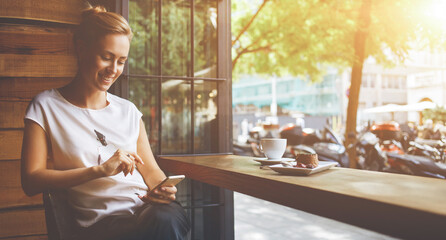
(106, 58)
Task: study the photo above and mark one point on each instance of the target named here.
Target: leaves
(302, 37)
(437, 114)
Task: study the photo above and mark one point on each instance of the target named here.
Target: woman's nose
(113, 67)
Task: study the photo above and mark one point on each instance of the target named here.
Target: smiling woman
(96, 141)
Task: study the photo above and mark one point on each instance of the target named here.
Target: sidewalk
(256, 219)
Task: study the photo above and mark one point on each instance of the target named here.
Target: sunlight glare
(435, 13)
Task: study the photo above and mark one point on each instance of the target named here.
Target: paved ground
(256, 219)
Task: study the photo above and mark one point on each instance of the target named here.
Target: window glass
(206, 127)
(176, 117)
(144, 94)
(175, 38)
(143, 19)
(205, 38)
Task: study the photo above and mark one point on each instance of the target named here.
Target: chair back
(58, 214)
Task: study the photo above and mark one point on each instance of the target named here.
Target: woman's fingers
(168, 190)
(164, 195)
(137, 158)
(157, 199)
(127, 161)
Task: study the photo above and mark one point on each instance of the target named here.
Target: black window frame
(224, 98)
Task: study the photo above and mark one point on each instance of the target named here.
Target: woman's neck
(84, 96)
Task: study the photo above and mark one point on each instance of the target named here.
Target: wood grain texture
(397, 205)
(12, 113)
(22, 223)
(35, 40)
(11, 191)
(11, 144)
(35, 237)
(26, 88)
(13, 65)
(60, 11)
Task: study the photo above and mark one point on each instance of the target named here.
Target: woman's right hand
(121, 161)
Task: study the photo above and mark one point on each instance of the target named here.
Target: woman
(97, 144)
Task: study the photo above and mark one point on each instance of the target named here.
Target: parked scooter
(416, 165)
(419, 159)
(329, 147)
(425, 150)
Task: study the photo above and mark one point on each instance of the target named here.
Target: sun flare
(434, 14)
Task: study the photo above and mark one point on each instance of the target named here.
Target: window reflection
(205, 38)
(175, 43)
(176, 117)
(144, 94)
(205, 135)
(143, 19)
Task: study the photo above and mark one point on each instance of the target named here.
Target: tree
(301, 37)
(437, 114)
(289, 37)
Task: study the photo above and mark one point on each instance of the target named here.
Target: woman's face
(103, 62)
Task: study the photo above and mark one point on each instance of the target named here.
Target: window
(178, 76)
(173, 72)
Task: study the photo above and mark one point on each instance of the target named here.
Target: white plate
(302, 171)
(266, 161)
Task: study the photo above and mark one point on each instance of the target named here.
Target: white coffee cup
(273, 148)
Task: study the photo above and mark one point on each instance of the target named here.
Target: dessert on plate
(307, 160)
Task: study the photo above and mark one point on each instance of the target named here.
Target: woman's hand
(121, 161)
(164, 195)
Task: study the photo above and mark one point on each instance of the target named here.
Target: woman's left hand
(163, 195)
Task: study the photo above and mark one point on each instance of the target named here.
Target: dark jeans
(151, 221)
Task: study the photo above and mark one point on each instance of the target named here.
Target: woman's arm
(150, 171)
(36, 177)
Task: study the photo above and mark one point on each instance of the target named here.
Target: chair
(58, 214)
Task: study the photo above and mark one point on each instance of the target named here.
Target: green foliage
(437, 114)
(302, 37)
(290, 37)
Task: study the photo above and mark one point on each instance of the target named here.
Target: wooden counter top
(398, 205)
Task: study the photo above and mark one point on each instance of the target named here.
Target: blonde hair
(97, 22)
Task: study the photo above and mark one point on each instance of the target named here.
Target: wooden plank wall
(36, 53)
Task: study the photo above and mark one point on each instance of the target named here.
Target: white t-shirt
(75, 144)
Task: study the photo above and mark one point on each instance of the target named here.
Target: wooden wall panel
(36, 53)
(12, 113)
(22, 222)
(11, 191)
(11, 144)
(12, 65)
(38, 237)
(39, 40)
(27, 88)
(61, 11)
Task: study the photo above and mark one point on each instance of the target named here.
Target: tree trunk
(356, 76)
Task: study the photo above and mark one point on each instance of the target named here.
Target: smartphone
(168, 181)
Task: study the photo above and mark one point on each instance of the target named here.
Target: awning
(384, 109)
(414, 107)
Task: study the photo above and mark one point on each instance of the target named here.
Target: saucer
(266, 161)
(288, 170)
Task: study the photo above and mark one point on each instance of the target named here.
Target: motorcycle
(416, 165)
(419, 159)
(425, 150)
(329, 147)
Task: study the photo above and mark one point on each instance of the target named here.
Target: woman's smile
(105, 61)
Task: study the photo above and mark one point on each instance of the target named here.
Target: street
(256, 219)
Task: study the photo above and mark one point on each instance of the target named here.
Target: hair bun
(92, 10)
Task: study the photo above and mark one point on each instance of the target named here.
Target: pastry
(307, 160)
